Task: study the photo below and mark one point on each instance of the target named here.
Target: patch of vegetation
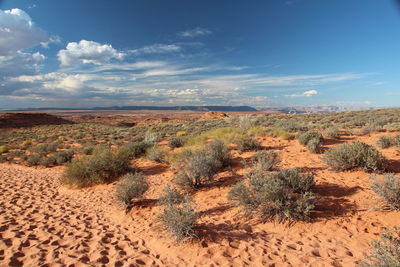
(247, 143)
(132, 185)
(179, 221)
(176, 141)
(103, 166)
(155, 153)
(281, 196)
(265, 160)
(3, 149)
(385, 141)
(356, 155)
(386, 250)
(388, 189)
(312, 140)
(332, 132)
(200, 166)
(171, 197)
(280, 133)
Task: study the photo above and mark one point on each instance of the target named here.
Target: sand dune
(42, 223)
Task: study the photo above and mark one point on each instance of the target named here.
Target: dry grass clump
(280, 133)
(388, 189)
(132, 185)
(356, 155)
(171, 196)
(280, 196)
(103, 166)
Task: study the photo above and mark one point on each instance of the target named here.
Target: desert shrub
(26, 143)
(280, 196)
(153, 137)
(88, 150)
(155, 153)
(386, 250)
(179, 221)
(48, 161)
(396, 140)
(136, 149)
(45, 148)
(356, 155)
(384, 141)
(265, 160)
(171, 196)
(312, 140)
(290, 126)
(32, 159)
(371, 128)
(103, 166)
(388, 189)
(246, 121)
(3, 149)
(276, 132)
(176, 141)
(64, 156)
(132, 185)
(392, 127)
(227, 134)
(2, 159)
(332, 132)
(299, 182)
(305, 137)
(247, 143)
(201, 165)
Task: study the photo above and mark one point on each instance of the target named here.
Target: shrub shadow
(332, 202)
(394, 166)
(154, 169)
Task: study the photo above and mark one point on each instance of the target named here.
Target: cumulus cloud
(157, 49)
(305, 94)
(194, 32)
(87, 52)
(18, 32)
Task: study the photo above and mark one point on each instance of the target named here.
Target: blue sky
(261, 53)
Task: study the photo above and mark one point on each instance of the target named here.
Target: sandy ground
(42, 223)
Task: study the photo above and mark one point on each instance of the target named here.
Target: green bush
(247, 143)
(265, 160)
(48, 161)
(136, 149)
(155, 153)
(32, 159)
(153, 137)
(200, 166)
(103, 166)
(132, 186)
(356, 155)
(386, 250)
(312, 140)
(332, 132)
(389, 189)
(171, 196)
(179, 221)
(64, 156)
(281, 196)
(385, 141)
(176, 141)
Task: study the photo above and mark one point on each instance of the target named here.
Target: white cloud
(195, 32)
(20, 63)
(157, 49)
(305, 94)
(18, 32)
(52, 40)
(87, 52)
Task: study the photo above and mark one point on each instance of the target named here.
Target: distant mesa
(12, 120)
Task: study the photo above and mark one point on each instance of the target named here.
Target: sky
(228, 52)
